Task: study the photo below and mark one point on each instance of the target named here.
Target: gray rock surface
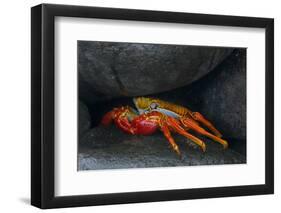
(110, 69)
(223, 99)
(100, 136)
(109, 148)
(84, 119)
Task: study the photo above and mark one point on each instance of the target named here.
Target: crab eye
(153, 105)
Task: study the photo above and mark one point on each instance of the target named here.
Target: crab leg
(199, 117)
(189, 123)
(167, 133)
(175, 125)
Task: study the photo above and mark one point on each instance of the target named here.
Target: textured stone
(111, 69)
(223, 99)
(100, 136)
(110, 148)
(84, 119)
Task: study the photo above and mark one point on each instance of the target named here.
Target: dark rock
(112, 149)
(84, 119)
(101, 136)
(223, 97)
(111, 69)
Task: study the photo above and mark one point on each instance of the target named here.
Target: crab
(153, 114)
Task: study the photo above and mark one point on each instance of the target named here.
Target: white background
(70, 182)
(15, 106)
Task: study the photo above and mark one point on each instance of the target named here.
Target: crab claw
(120, 116)
(107, 118)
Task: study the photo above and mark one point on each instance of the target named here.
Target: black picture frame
(43, 117)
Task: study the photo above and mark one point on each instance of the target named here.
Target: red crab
(148, 121)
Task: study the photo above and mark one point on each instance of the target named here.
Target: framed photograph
(140, 106)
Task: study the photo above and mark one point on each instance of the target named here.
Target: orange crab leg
(189, 123)
(167, 133)
(175, 125)
(199, 117)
